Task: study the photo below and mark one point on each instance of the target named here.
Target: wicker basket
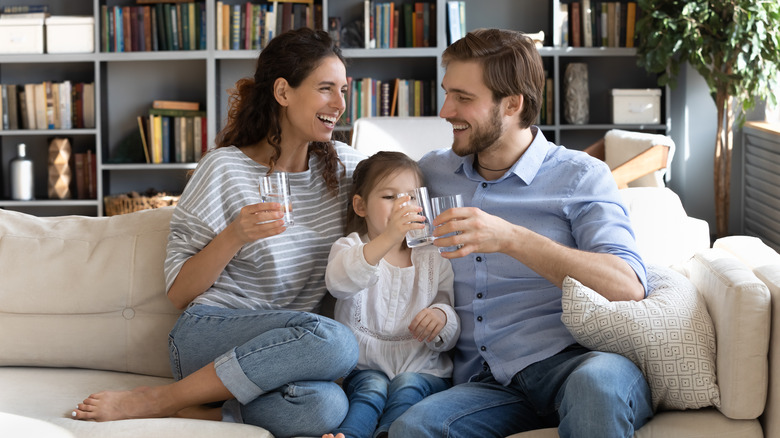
(128, 203)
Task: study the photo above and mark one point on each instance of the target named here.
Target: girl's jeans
(375, 401)
(278, 364)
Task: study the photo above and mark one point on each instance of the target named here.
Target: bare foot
(330, 435)
(141, 402)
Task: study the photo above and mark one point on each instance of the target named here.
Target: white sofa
(83, 308)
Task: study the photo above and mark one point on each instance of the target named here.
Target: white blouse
(379, 302)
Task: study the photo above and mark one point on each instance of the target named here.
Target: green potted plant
(733, 44)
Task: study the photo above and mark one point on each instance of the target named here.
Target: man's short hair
(511, 66)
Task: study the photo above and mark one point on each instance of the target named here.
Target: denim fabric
(584, 393)
(375, 401)
(279, 364)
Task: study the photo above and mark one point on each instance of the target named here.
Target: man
(535, 213)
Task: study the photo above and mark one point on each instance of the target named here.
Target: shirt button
(483, 348)
(484, 185)
(479, 259)
(479, 318)
(479, 295)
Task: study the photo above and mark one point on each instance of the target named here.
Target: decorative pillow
(669, 335)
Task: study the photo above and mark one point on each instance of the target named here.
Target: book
(144, 142)
(576, 24)
(175, 112)
(176, 105)
(587, 24)
(630, 24)
(453, 21)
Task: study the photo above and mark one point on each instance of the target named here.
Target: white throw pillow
(669, 335)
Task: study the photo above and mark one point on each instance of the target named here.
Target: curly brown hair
(254, 113)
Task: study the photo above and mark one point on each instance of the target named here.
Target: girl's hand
(427, 324)
(403, 217)
(257, 221)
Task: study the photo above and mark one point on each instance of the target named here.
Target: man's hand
(478, 231)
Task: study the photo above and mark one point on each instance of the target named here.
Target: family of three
(459, 344)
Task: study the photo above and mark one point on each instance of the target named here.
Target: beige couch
(83, 308)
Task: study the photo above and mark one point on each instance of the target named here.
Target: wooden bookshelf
(126, 83)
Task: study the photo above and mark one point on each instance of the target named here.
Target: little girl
(397, 300)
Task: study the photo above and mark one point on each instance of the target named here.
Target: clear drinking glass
(276, 188)
(441, 204)
(424, 236)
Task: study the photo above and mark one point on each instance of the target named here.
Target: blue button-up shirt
(510, 315)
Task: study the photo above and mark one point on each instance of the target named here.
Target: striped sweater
(286, 271)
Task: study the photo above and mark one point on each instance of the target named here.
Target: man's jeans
(375, 401)
(583, 393)
(279, 364)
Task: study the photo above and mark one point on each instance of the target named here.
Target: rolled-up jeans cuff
(234, 379)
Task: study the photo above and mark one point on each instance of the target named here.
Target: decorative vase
(22, 182)
(59, 168)
(577, 99)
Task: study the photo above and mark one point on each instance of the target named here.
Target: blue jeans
(584, 393)
(375, 401)
(279, 364)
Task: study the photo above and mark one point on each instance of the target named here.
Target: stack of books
(173, 132)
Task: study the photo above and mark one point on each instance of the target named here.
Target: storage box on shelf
(70, 34)
(21, 35)
(636, 106)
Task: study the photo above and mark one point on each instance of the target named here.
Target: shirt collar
(525, 168)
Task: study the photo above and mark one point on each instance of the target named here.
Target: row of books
(250, 26)
(368, 97)
(388, 25)
(592, 23)
(163, 26)
(547, 111)
(173, 136)
(47, 105)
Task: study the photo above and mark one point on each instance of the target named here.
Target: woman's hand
(257, 221)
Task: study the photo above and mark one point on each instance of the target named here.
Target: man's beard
(484, 136)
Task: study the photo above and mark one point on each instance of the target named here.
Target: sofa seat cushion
(85, 292)
(51, 394)
(702, 423)
(669, 335)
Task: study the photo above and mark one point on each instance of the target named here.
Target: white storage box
(21, 35)
(630, 106)
(70, 34)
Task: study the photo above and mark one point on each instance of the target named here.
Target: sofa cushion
(665, 234)
(85, 292)
(739, 304)
(669, 336)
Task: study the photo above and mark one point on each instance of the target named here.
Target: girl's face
(314, 107)
(378, 204)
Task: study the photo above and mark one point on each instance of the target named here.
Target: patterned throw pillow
(669, 335)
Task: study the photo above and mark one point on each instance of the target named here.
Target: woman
(247, 282)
